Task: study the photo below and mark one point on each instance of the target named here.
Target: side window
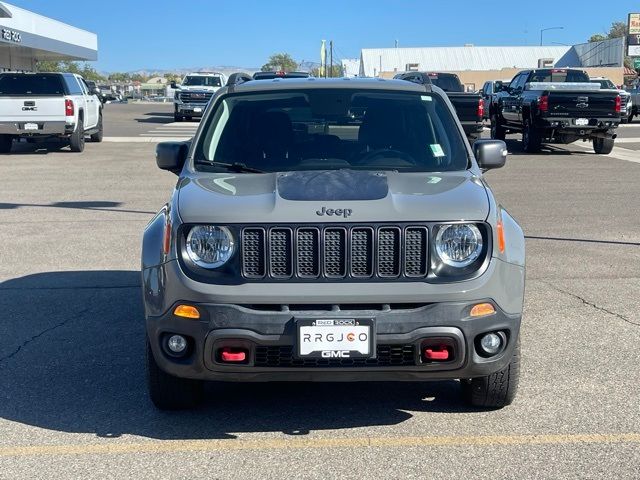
(487, 88)
(85, 87)
(73, 85)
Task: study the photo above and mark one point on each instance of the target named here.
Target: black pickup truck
(469, 106)
(556, 105)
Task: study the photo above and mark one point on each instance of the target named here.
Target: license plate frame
(340, 325)
(582, 122)
(30, 126)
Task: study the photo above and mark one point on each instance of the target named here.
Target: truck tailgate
(587, 104)
(466, 105)
(37, 108)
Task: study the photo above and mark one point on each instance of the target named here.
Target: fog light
(177, 344)
(491, 343)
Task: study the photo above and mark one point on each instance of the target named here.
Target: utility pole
(331, 56)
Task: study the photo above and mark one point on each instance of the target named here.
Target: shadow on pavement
(73, 361)
(39, 147)
(100, 205)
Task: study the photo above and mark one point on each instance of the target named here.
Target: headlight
(210, 246)
(458, 245)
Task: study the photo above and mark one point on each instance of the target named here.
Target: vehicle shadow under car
(72, 360)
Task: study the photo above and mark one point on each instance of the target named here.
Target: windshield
(202, 81)
(605, 84)
(447, 82)
(330, 130)
(559, 75)
(29, 84)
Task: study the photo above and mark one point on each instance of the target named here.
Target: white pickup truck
(39, 105)
(193, 95)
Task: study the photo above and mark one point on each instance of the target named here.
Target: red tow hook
(233, 355)
(439, 354)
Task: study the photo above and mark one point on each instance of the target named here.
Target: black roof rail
(238, 78)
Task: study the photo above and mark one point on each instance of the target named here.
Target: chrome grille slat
(334, 252)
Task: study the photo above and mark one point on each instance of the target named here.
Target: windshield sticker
(433, 179)
(436, 149)
(426, 98)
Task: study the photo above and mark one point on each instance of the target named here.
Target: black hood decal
(332, 185)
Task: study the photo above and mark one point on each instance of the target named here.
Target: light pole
(549, 28)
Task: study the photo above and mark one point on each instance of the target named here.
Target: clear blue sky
(137, 34)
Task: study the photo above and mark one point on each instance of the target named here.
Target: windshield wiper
(233, 167)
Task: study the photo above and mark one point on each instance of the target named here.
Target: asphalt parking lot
(73, 401)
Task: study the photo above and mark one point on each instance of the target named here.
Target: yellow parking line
(166, 446)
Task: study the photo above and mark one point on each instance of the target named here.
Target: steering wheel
(385, 153)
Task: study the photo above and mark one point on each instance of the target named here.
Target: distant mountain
(226, 69)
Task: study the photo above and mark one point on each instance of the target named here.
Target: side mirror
(490, 153)
(95, 91)
(498, 87)
(173, 84)
(171, 155)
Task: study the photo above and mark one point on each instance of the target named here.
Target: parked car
(556, 106)
(490, 88)
(469, 106)
(194, 93)
(625, 97)
(634, 95)
(332, 230)
(46, 105)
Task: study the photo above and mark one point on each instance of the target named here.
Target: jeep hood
(299, 197)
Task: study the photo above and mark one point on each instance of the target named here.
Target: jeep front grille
(334, 252)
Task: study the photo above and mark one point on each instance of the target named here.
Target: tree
(86, 70)
(280, 61)
(172, 77)
(138, 77)
(336, 71)
(119, 77)
(597, 38)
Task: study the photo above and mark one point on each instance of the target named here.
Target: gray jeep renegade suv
(332, 230)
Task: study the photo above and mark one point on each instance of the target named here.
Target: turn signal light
(482, 309)
(166, 240)
(187, 311)
(543, 103)
(500, 233)
(68, 108)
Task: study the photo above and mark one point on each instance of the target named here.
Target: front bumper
(191, 109)
(45, 128)
(263, 329)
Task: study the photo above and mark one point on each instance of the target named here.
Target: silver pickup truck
(46, 105)
(332, 230)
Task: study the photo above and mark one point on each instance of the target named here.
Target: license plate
(336, 338)
(31, 126)
(197, 109)
(582, 121)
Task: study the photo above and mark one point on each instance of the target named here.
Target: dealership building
(26, 38)
(477, 64)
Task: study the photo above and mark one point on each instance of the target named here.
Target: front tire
(168, 392)
(97, 137)
(76, 141)
(496, 390)
(498, 132)
(603, 146)
(6, 142)
(531, 138)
